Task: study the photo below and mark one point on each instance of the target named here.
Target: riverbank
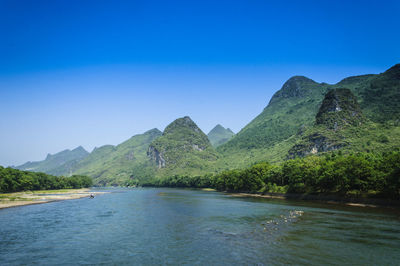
(8, 200)
(332, 199)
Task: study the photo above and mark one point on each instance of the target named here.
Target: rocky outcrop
(156, 157)
(130, 155)
(338, 109)
(314, 144)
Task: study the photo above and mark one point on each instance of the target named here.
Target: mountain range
(60, 163)
(360, 113)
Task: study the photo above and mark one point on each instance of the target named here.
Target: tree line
(13, 180)
(360, 174)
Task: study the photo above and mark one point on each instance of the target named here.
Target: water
(191, 227)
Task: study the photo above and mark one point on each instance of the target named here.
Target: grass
(10, 197)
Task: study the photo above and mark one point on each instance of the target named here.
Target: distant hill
(183, 148)
(219, 135)
(61, 163)
(125, 163)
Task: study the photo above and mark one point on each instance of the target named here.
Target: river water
(153, 226)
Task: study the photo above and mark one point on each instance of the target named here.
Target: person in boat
(91, 196)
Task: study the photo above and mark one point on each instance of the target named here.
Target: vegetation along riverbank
(359, 177)
(23, 187)
(13, 180)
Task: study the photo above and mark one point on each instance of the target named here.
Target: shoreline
(321, 198)
(23, 198)
(330, 199)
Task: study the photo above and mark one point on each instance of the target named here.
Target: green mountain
(182, 149)
(294, 105)
(291, 114)
(337, 118)
(219, 135)
(358, 114)
(270, 135)
(61, 163)
(126, 163)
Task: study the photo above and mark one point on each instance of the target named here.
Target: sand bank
(331, 199)
(8, 200)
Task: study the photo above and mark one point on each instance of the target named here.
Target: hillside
(291, 113)
(338, 114)
(61, 163)
(219, 135)
(125, 163)
(339, 109)
(380, 99)
(182, 149)
(340, 124)
(272, 133)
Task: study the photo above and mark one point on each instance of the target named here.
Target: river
(153, 226)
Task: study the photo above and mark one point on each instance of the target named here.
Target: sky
(92, 73)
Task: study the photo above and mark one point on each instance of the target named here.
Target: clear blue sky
(97, 72)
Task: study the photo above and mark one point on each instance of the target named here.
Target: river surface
(153, 226)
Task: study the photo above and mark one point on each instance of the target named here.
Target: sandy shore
(8, 200)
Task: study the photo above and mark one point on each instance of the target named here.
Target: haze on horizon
(97, 72)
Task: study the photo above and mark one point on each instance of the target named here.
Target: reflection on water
(171, 226)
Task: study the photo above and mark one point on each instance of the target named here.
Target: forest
(12, 180)
(359, 174)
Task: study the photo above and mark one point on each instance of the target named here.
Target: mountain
(219, 135)
(125, 163)
(61, 163)
(182, 149)
(270, 135)
(291, 114)
(295, 104)
(358, 114)
(338, 113)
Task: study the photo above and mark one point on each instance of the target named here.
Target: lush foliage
(381, 98)
(12, 180)
(182, 181)
(361, 174)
